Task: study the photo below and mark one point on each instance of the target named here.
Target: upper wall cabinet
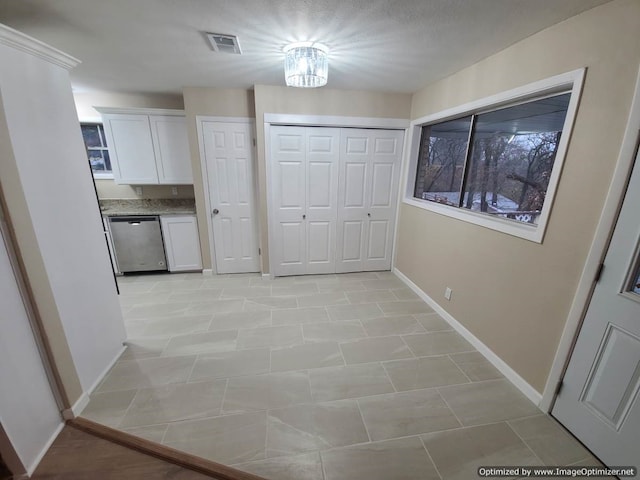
(148, 147)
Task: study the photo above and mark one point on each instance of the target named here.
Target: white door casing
(598, 401)
(304, 182)
(230, 166)
(370, 163)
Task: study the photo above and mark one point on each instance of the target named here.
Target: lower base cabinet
(181, 242)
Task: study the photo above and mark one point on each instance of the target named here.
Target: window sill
(103, 176)
(525, 231)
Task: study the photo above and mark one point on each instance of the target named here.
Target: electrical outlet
(447, 293)
(174, 190)
(139, 191)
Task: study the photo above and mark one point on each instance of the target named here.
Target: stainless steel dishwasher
(137, 243)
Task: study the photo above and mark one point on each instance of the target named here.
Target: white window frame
(567, 82)
(96, 175)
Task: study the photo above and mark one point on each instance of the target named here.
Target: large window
(499, 163)
(97, 151)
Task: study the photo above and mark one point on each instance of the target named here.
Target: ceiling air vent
(224, 43)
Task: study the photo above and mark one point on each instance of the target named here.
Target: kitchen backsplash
(148, 206)
(109, 190)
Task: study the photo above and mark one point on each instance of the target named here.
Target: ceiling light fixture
(306, 65)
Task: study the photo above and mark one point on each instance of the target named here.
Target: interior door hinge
(254, 142)
(599, 273)
(259, 252)
(559, 387)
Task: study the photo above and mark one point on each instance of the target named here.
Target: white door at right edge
(599, 400)
(367, 198)
(229, 156)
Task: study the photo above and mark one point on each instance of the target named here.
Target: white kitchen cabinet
(181, 242)
(147, 148)
(171, 147)
(131, 149)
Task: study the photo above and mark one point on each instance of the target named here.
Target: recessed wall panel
(352, 240)
(319, 184)
(291, 234)
(291, 195)
(377, 247)
(381, 185)
(385, 146)
(354, 184)
(613, 382)
(319, 235)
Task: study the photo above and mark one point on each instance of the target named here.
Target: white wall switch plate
(447, 293)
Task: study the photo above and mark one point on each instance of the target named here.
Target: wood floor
(79, 455)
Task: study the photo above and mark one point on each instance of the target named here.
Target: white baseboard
(207, 271)
(83, 401)
(267, 276)
(511, 375)
(45, 449)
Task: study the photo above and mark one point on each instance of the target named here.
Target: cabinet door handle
(368, 215)
(304, 216)
(215, 211)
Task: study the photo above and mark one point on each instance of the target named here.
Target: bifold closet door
(367, 198)
(304, 182)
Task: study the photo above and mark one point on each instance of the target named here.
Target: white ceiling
(385, 45)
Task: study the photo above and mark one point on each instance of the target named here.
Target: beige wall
(323, 101)
(514, 295)
(214, 102)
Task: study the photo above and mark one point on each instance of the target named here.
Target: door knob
(215, 211)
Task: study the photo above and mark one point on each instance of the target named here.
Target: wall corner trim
(77, 408)
(511, 375)
(25, 43)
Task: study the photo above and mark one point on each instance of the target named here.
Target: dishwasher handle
(133, 220)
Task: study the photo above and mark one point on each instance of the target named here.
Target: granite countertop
(162, 206)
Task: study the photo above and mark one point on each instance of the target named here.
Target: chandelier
(306, 65)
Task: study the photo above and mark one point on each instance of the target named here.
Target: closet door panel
(355, 145)
(385, 160)
(322, 159)
(288, 200)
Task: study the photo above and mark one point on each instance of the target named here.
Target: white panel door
(288, 200)
(131, 149)
(171, 145)
(599, 400)
(230, 165)
(369, 173)
(322, 159)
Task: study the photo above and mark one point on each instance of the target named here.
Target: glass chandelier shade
(306, 65)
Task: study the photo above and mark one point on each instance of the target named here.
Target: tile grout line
(430, 457)
(437, 389)
(523, 440)
(386, 372)
(366, 429)
(448, 355)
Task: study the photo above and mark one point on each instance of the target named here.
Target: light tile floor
(347, 377)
